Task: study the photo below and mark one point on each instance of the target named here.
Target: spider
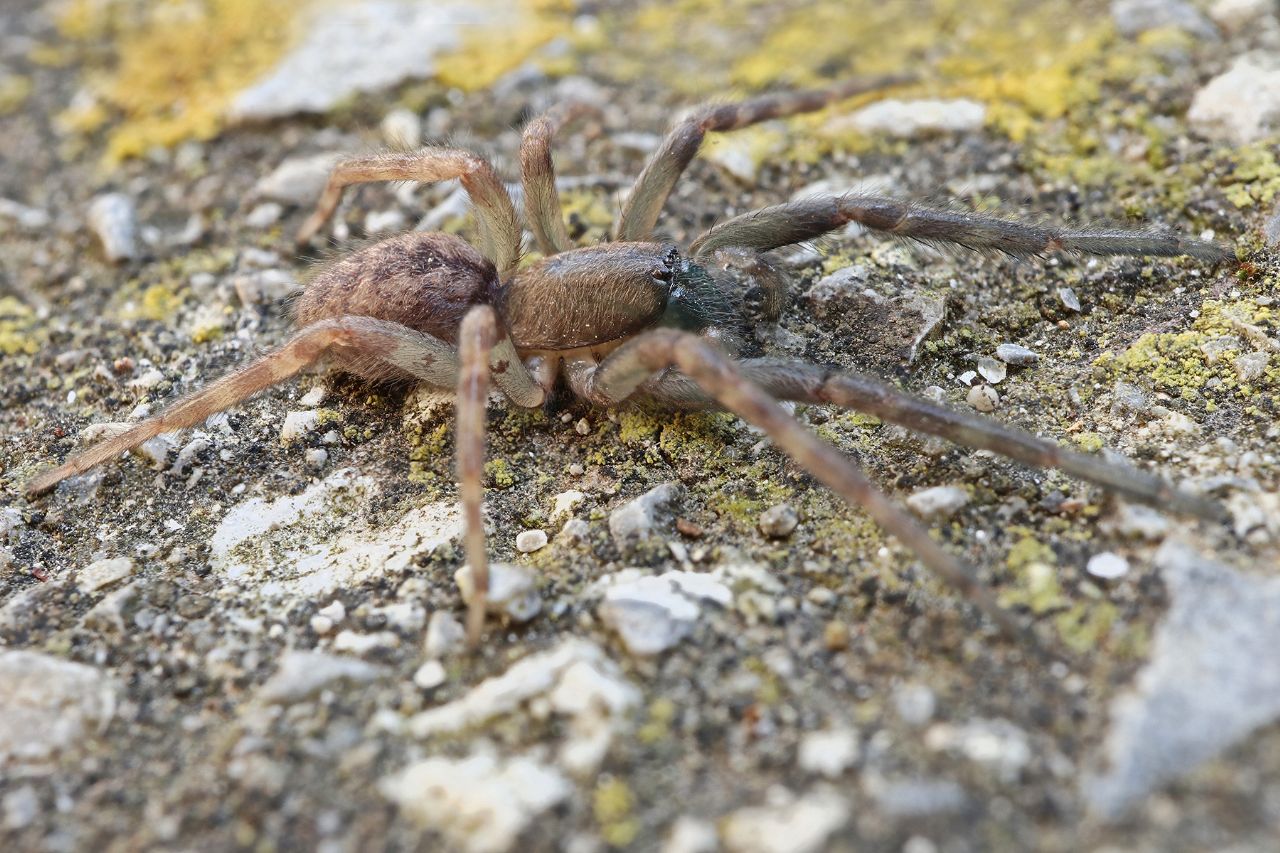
(636, 322)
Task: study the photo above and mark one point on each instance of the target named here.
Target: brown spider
(634, 321)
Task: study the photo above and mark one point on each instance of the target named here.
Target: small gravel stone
(1128, 399)
(480, 804)
(528, 541)
(993, 371)
(938, 501)
(1107, 566)
(967, 377)
(1235, 15)
(1251, 365)
(575, 530)
(334, 610)
(302, 674)
(321, 624)
(262, 287)
(298, 424)
(1134, 17)
(1271, 229)
(384, 221)
(653, 613)
(297, 181)
(402, 129)
(30, 218)
(915, 703)
(636, 522)
(983, 398)
(114, 220)
(1069, 299)
(841, 285)
(430, 675)
(50, 706)
(801, 825)
(914, 119)
(917, 798)
(103, 573)
(513, 590)
(564, 504)
(445, 634)
(316, 457)
(264, 215)
(362, 644)
(691, 835)
(779, 521)
(1137, 521)
(1016, 355)
(828, 753)
(1241, 105)
(21, 807)
(582, 427)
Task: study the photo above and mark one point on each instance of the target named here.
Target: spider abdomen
(425, 281)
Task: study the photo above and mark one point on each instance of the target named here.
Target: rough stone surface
(801, 825)
(481, 803)
(1134, 17)
(114, 220)
(911, 119)
(1202, 690)
(639, 521)
(938, 501)
(1242, 104)
(50, 706)
(301, 675)
(355, 49)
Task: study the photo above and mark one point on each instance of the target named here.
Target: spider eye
(666, 272)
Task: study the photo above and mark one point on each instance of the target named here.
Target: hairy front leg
(499, 229)
(807, 219)
(667, 164)
(538, 174)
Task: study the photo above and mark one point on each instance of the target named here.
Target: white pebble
(1016, 355)
(778, 522)
(402, 128)
(298, 424)
(1069, 299)
(103, 573)
(941, 501)
(321, 624)
(529, 541)
(828, 753)
(1107, 565)
(264, 215)
(113, 219)
(334, 610)
(431, 674)
(316, 457)
(993, 371)
(983, 398)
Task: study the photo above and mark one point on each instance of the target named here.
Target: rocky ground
(246, 636)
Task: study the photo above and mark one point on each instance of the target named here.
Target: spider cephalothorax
(636, 321)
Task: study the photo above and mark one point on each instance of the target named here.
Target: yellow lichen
(504, 43)
(14, 91)
(612, 804)
(179, 64)
(18, 328)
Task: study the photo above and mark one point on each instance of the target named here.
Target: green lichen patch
(1199, 363)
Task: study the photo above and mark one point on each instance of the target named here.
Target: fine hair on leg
(475, 341)
(806, 219)
(660, 173)
(360, 339)
(622, 373)
(498, 227)
(538, 175)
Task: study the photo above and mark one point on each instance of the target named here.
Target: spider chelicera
(636, 322)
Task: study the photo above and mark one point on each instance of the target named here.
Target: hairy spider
(635, 321)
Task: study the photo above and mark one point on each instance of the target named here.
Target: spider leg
(421, 355)
(660, 173)
(624, 370)
(809, 383)
(541, 199)
(806, 219)
(499, 236)
(475, 344)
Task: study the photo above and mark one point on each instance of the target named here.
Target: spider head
(697, 300)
